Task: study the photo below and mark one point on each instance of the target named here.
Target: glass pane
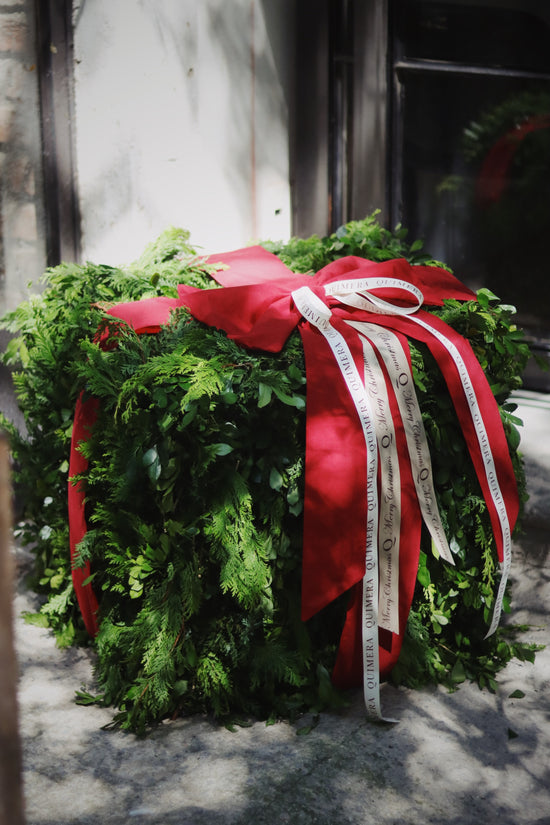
(510, 35)
(476, 182)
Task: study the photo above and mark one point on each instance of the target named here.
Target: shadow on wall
(185, 120)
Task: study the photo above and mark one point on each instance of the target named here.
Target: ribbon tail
(410, 534)
(479, 417)
(85, 416)
(336, 514)
(335, 505)
(348, 668)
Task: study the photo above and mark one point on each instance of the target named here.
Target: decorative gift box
(286, 484)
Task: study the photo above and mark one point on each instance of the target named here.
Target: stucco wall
(22, 243)
(182, 118)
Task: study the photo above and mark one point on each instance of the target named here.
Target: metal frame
(340, 147)
(309, 121)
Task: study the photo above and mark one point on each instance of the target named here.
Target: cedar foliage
(195, 489)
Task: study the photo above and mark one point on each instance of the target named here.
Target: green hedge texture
(195, 486)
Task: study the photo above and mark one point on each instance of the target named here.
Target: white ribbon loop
(357, 293)
(312, 308)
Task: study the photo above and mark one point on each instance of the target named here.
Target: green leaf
(517, 694)
(160, 398)
(83, 697)
(485, 295)
(293, 495)
(150, 457)
(24, 355)
(458, 674)
(223, 449)
(296, 374)
(275, 479)
(154, 470)
(36, 619)
(264, 394)
(423, 574)
(189, 416)
(293, 400)
(181, 687)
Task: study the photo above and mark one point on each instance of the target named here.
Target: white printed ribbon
(488, 465)
(317, 313)
(344, 291)
(383, 521)
(389, 502)
(389, 346)
(356, 293)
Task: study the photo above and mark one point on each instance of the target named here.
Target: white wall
(22, 231)
(182, 119)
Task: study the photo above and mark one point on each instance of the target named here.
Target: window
(470, 143)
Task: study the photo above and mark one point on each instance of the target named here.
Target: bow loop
(362, 294)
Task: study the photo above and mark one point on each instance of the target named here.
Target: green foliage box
(195, 487)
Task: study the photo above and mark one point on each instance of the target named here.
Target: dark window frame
(347, 156)
(340, 121)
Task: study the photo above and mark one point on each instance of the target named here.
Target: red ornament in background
(256, 309)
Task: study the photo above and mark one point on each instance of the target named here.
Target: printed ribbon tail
(344, 376)
(348, 668)
(479, 417)
(394, 351)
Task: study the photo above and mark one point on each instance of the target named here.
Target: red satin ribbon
(84, 419)
(255, 308)
(493, 177)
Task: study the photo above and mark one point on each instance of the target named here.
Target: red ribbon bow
(256, 309)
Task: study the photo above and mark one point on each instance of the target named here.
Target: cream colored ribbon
(382, 521)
